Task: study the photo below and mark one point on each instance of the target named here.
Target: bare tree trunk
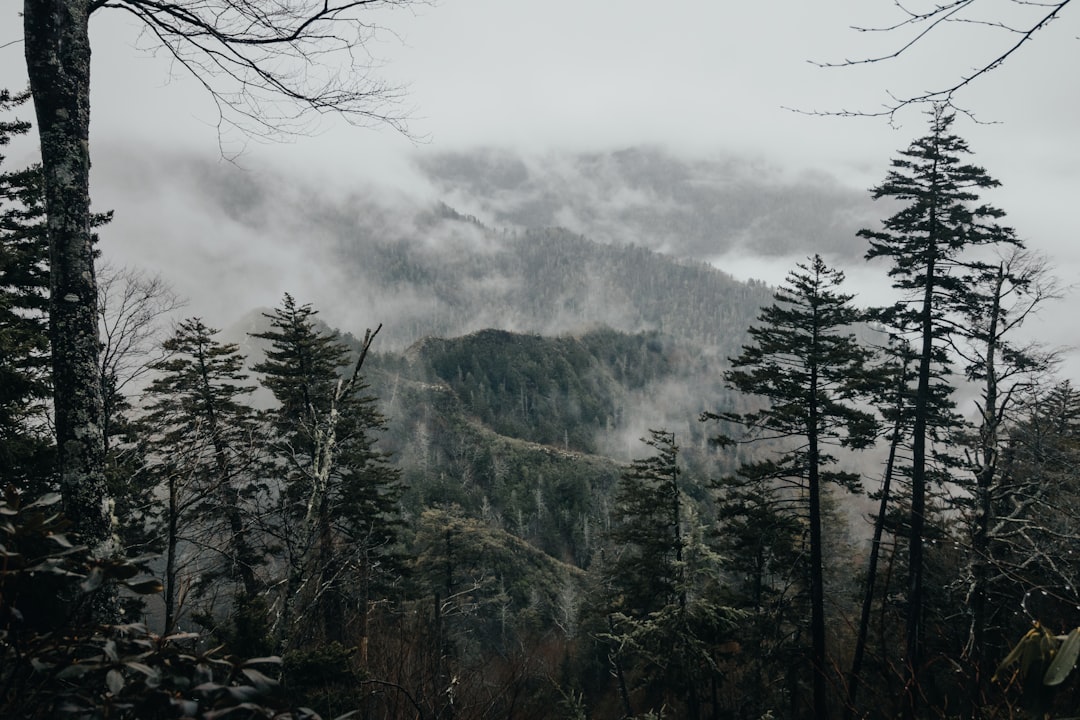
(57, 48)
(172, 540)
(875, 552)
(985, 475)
(913, 626)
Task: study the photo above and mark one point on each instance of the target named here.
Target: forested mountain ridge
(531, 432)
(701, 207)
(428, 258)
(547, 281)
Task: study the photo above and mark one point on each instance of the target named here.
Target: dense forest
(712, 499)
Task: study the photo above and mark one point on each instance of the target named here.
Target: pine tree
(646, 533)
(26, 449)
(202, 448)
(338, 514)
(808, 367)
(925, 242)
(663, 613)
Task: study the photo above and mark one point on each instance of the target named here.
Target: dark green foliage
(807, 365)
(941, 217)
(246, 632)
(202, 448)
(490, 583)
(337, 516)
(928, 244)
(53, 665)
(552, 497)
(646, 543)
(660, 589)
(323, 678)
(554, 391)
(26, 448)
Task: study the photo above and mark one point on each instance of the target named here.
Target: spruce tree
(663, 612)
(807, 366)
(26, 448)
(927, 243)
(202, 449)
(338, 503)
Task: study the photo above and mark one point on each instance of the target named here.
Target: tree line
(282, 539)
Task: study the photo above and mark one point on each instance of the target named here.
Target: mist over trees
(454, 524)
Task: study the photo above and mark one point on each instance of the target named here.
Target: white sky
(695, 76)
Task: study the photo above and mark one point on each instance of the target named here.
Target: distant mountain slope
(557, 391)
(697, 208)
(531, 433)
(455, 277)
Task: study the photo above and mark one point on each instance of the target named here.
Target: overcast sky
(694, 76)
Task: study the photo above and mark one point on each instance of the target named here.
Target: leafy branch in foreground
(54, 663)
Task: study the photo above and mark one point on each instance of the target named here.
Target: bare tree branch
(935, 21)
(271, 67)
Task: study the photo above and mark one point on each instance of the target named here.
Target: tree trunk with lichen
(57, 47)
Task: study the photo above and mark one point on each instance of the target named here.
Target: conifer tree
(807, 366)
(663, 611)
(646, 530)
(203, 439)
(26, 450)
(338, 503)
(926, 242)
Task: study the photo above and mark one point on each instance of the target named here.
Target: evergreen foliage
(664, 619)
(554, 391)
(337, 504)
(647, 570)
(202, 449)
(928, 243)
(26, 448)
(806, 363)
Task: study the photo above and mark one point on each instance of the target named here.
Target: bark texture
(57, 46)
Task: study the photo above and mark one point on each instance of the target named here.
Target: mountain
(530, 433)
(518, 366)
(635, 239)
(456, 276)
(701, 208)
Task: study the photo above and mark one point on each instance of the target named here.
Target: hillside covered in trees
(567, 479)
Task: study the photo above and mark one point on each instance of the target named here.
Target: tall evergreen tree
(762, 542)
(646, 533)
(808, 367)
(925, 242)
(26, 449)
(663, 611)
(203, 439)
(338, 502)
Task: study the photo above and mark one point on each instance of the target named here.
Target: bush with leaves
(54, 663)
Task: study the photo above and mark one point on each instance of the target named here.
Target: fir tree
(663, 612)
(925, 242)
(26, 448)
(808, 367)
(646, 532)
(338, 503)
(202, 448)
